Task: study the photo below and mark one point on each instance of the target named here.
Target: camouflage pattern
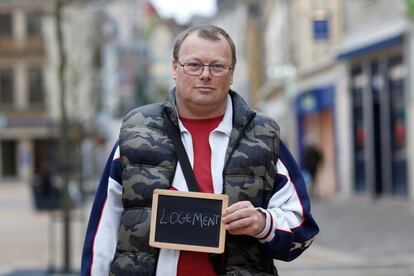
(244, 271)
(250, 164)
(250, 173)
(244, 251)
(130, 264)
(149, 162)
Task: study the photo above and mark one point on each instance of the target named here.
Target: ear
(231, 77)
(174, 69)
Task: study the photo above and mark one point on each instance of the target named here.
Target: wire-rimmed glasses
(196, 69)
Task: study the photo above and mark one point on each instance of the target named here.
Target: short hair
(209, 32)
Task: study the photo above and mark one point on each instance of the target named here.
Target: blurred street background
(337, 76)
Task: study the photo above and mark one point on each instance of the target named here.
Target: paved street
(358, 237)
(31, 241)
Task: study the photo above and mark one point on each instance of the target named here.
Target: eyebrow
(192, 59)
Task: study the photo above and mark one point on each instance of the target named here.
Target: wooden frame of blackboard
(180, 246)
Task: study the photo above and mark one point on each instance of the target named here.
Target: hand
(242, 218)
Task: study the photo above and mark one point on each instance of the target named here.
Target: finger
(251, 224)
(237, 206)
(242, 231)
(251, 219)
(239, 224)
(248, 229)
(238, 215)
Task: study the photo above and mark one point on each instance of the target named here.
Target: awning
(316, 100)
(369, 40)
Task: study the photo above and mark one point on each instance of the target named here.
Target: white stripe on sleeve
(107, 233)
(285, 206)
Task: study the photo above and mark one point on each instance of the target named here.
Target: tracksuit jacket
(289, 228)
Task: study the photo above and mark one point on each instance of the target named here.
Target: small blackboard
(188, 221)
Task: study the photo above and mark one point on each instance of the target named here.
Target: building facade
(300, 87)
(376, 58)
(243, 21)
(30, 112)
(344, 67)
(136, 61)
(25, 124)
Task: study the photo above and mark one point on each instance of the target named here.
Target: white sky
(182, 10)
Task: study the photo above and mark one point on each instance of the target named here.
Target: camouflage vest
(149, 161)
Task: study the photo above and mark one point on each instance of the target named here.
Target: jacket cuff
(262, 236)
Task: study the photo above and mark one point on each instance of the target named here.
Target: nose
(205, 73)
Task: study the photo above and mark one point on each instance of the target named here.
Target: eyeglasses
(196, 69)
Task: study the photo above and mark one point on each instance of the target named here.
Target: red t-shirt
(197, 263)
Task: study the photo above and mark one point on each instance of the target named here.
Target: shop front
(377, 89)
(315, 113)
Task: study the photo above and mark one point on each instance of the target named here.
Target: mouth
(204, 88)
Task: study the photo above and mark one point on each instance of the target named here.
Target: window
(44, 152)
(320, 25)
(320, 30)
(359, 81)
(5, 25)
(35, 86)
(34, 23)
(6, 87)
(9, 158)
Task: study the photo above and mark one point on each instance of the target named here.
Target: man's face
(205, 95)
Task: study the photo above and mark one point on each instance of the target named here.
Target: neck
(201, 112)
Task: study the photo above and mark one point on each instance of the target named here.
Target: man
(312, 160)
(232, 149)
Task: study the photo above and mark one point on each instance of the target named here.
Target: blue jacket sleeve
(95, 216)
(293, 227)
